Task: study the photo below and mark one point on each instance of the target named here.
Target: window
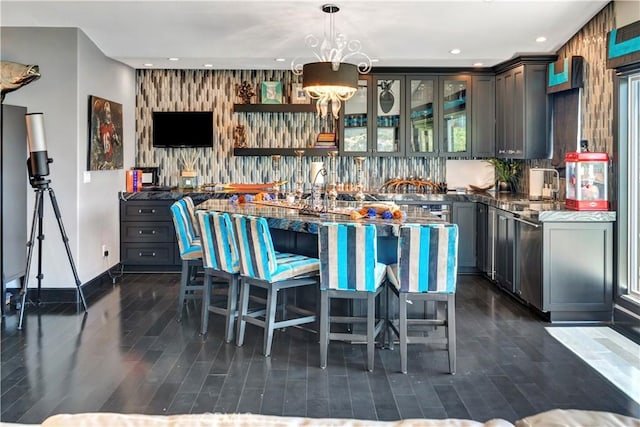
(633, 165)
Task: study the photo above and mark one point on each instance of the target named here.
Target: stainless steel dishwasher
(529, 252)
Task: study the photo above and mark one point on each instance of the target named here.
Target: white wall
(72, 68)
(627, 12)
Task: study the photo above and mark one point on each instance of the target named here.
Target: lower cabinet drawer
(134, 231)
(148, 253)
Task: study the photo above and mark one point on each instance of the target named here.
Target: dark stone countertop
(517, 204)
(288, 218)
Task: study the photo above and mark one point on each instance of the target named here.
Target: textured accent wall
(597, 95)
(204, 90)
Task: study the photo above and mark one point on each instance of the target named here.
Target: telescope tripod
(40, 186)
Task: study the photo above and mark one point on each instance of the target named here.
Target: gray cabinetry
(483, 116)
(485, 247)
(521, 112)
(14, 195)
(505, 250)
(409, 114)
(528, 282)
(578, 270)
(464, 215)
(147, 236)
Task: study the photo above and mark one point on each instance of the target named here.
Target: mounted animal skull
(15, 75)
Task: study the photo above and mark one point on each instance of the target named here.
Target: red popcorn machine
(587, 186)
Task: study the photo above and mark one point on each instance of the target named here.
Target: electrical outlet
(105, 251)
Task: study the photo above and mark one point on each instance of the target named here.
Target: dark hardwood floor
(130, 355)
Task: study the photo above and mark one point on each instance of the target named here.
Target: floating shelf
(281, 151)
(274, 108)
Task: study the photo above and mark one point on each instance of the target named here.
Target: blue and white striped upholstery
(428, 259)
(259, 260)
(189, 245)
(218, 242)
(195, 227)
(348, 255)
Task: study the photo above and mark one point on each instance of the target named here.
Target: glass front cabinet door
(388, 127)
(455, 130)
(356, 133)
(421, 111)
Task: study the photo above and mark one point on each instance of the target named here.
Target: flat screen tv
(182, 129)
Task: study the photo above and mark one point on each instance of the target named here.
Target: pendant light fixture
(331, 79)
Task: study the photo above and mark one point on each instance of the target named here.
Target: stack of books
(326, 140)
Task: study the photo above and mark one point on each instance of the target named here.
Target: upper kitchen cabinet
(455, 109)
(422, 129)
(388, 125)
(354, 126)
(437, 115)
(483, 116)
(373, 122)
(521, 113)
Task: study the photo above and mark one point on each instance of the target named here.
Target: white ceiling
(251, 34)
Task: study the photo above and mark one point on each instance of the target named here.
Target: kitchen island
(555, 260)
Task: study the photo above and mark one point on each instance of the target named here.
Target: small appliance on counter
(538, 190)
(586, 184)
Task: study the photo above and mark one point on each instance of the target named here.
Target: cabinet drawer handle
(146, 232)
(151, 211)
(145, 254)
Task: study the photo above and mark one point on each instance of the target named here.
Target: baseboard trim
(70, 295)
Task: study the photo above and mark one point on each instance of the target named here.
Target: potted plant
(506, 173)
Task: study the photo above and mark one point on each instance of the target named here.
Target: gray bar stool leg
(270, 319)
(324, 327)
(232, 302)
(371, 327)
(206, 300)
(451, 331)
(402, 301)
(243, 306)
(182, 294)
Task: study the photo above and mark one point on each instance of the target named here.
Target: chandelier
(331, 79)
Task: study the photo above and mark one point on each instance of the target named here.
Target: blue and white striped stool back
(255, 247)
(219, 250)
(195, 227)
(189, 245)
(348, 257)
(427, 258)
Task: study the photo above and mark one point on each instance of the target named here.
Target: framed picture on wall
(271, 92)
(105, 134)
(298, 95)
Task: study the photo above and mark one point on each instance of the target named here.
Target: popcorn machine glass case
(587, 181)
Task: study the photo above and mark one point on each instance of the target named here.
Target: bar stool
(261, 267)
(220, 261)
(426, 271)
(349, 270)
(190, 253)
(195, 227)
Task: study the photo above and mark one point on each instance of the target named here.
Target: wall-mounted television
(182, 129)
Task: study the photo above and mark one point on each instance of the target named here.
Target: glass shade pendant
(331, 79)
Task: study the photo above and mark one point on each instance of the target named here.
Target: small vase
(504, 187)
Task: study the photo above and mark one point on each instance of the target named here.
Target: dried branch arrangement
(189, 159)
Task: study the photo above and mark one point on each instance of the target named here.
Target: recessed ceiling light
(375, 60)
(455, 51)
(148, 64)
(173, 59)
(280, 59)
(541, 39)
(478, 64)
(208, 65)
